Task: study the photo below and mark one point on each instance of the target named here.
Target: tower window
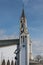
(23, 38)
(22, 25)
(21, 21)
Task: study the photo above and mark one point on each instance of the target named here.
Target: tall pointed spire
(24, 41)
(23, 13)
(23, 23)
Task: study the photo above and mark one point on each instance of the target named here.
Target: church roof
(9, 42)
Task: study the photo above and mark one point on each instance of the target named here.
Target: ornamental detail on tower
(23, 23)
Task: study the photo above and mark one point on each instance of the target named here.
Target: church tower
(24, 41)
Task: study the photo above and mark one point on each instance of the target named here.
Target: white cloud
(34, 29)
(8, 37)
(5, 36)
(37, 47)
(2, 32)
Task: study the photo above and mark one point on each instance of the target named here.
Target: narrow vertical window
(23, 39)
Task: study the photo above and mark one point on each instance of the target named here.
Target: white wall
(7, 53)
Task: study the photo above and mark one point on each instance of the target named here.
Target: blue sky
(10, 12)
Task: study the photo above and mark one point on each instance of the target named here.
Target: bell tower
(24, 41)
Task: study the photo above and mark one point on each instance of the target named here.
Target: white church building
(17, 51)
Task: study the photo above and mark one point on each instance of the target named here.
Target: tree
(38, 57)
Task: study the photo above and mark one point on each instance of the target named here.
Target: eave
(9, 42)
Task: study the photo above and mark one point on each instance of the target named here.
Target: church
(17, 51)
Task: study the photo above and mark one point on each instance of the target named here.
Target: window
(21, 21)
(23, 38)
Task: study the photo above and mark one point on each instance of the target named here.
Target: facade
(7, 49)
(24, 41)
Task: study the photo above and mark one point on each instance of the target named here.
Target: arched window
(8, 62)
(3, 62)
(12, 63)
